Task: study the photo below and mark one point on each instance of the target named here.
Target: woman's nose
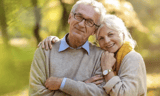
(107, 39)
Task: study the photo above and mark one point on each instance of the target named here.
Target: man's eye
(90, 22)
(79, 17)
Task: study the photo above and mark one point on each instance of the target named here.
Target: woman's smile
(110, 46)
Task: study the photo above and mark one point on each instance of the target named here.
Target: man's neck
(74, 43)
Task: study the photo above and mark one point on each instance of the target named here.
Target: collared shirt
(64, 45)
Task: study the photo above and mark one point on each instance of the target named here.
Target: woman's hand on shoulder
(47, 43)
(107, 60)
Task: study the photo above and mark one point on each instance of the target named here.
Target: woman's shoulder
(133, 55)
(133, 58)
(132, 61)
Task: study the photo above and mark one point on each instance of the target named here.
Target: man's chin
(77, 34)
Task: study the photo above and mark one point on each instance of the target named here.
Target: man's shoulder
(95, 49)
(93, 46)
(55, 46)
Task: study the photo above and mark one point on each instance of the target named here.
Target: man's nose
(82, 23)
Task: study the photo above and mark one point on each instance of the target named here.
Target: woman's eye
(100, 38)
(110, 34)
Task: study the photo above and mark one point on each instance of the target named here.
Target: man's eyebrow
(85, 17)
(79, 14)
(110, 32)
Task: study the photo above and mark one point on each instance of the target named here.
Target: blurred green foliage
(14, 69)
(141, 18)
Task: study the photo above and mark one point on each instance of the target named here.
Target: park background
(24, 23)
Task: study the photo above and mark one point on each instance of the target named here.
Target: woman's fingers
(102, 57)
(46, 44)
(94, 79)
(107, 60)
(98, 82)
(42, 44)
(39, 44)
(55, 39)
(52, 39)
(50, 44)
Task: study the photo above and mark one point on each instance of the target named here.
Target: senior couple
(75, 67)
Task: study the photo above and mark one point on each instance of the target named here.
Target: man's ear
(93, 33)
(69, 18)
(96, 30)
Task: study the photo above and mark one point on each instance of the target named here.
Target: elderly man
(72, 60)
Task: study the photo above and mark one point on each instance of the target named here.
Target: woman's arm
(107, 62)
(131, 79)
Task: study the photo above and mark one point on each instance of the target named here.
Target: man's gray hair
(115, 23)
(97, 5)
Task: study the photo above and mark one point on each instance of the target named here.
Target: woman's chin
(112, 50)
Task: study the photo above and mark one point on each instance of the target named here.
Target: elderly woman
(123, 68)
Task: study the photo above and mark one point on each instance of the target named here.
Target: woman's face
(110, 40)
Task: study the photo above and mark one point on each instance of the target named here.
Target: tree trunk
(64, 20)
(38, 19)
(3, 23)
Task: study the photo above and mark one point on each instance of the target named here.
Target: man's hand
(53, 83)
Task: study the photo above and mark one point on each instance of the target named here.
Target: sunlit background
(23, 23)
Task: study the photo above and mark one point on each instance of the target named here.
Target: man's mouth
(79, 29)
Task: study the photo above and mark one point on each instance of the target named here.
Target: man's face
(79, 30)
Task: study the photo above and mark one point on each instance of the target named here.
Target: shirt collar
(64, 45)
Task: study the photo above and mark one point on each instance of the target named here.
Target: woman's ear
(69, 18)
(123, 36)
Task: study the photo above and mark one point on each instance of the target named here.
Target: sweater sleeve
(38, 75)
(79, 88)
(131, 79)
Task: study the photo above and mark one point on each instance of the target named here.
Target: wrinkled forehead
(88, 11)
(105, 29)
